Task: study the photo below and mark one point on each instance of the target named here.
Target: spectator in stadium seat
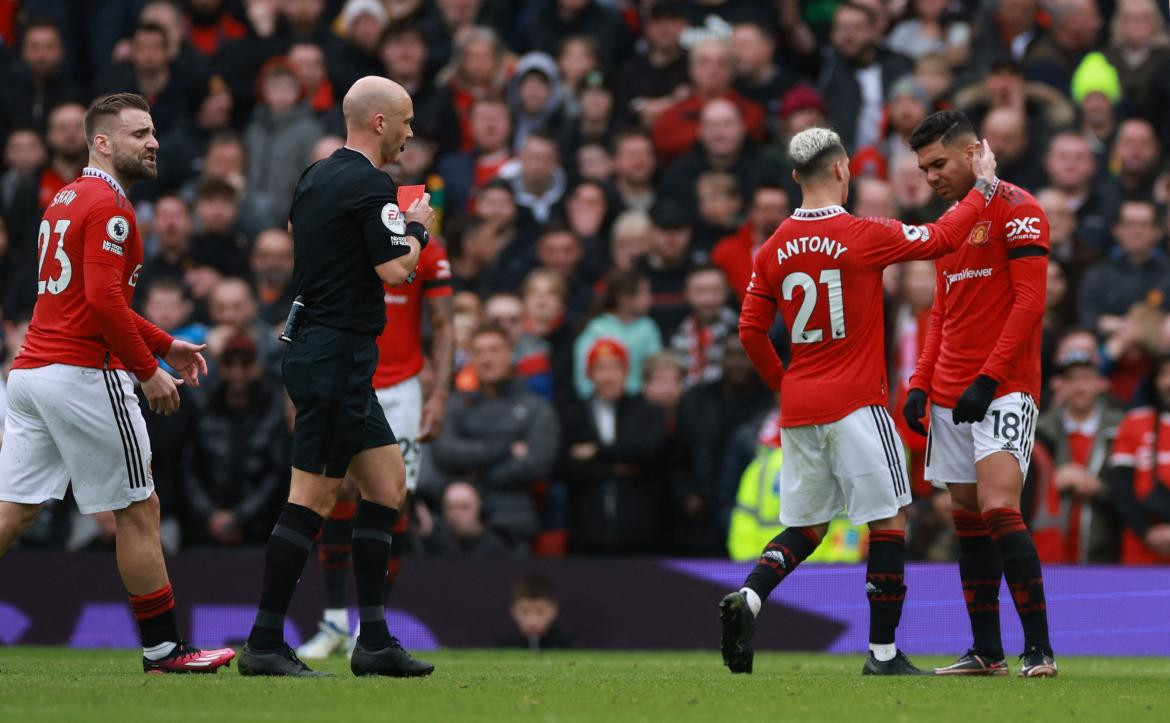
(1139, 158)
(454, 20)
(758, 77)
(1005, 85)
(634, 166)
(501, 437)
(308, 62)
(279, 138)
(537, 178)
(172, 227)
(37, 83)
(534, 610)
(593, 121)
(609, 459)
(67, 155)
(928, 29)
(629, 240)
(211, 25)
(913, 198)
(1071, 168)
(271, 264)
(666, 264)
(148, 73)
(167, 306)
(478, 69)
(1063, 234)
(1138, 48)
(1005, 32)
(711, 72)
(551, 22)
(857, 75)
(708, 415)
(906, 105)
(233, 314)
(1096, 91)
(624, 319)
(1073, 33)
(461, 530)
(656, 76)
(403, 53)
(871, 198)
(236, 463)
(191, 69)
(1112, 286)
(217, 241)
(1006, 131)
(1067, 506)
(723, 146)
(720, 206)
(698, 342)
(577, 57)
(465, 172)
(24, 155)
(362, 23)
(530, 353)
(587, 216)
(545, 295)
(536, 97)
(559, 250)
(1137, 474)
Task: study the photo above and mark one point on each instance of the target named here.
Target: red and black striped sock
(780, 558)
(980, 569)
(155, 613)
(885, 583)
(334, 551)
(1021, 569)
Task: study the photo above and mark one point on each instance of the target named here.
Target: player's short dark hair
(533, 587)
(947, 126)
(111, 106)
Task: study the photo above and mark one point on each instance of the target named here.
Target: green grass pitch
(57, 684)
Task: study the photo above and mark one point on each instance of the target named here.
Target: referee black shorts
(328, 374)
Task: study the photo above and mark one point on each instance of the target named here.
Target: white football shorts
(953, 449)
(402, 404)
(856, 464)
(74, 425)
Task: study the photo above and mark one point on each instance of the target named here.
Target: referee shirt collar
(363, 155)
(99, 173)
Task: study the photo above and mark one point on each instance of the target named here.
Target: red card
(408, 195)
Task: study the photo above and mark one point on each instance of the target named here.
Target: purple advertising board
(49, 598)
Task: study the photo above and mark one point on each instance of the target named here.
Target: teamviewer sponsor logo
(1023, 229)
(967, 274)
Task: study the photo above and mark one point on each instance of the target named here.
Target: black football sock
(1021, 569)
(284, 560)
(885, 583)
(980, 570)
(155, 613)
(334, 552)
(401, 528)
(780, 558)
(371, 555)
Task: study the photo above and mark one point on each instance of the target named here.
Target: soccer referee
(349, 238)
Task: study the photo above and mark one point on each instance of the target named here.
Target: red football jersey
(89, 256)
(400, 354)
(1134, 448)
(823, 269)
(988, 304)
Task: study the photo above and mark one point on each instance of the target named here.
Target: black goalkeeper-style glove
(972, 405)
(914, 410)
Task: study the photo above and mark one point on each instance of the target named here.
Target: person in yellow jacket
(755, 518)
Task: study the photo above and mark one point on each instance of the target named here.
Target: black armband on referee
(419, 231)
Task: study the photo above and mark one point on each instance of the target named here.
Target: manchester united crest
(980, 233)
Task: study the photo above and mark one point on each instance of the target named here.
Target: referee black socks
(284, 560)
(371, 554)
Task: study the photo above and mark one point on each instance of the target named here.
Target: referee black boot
(393, 661)
(276, 662)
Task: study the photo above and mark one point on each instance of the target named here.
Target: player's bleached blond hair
(811, 147)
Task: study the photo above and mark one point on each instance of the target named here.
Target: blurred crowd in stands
(603, 171)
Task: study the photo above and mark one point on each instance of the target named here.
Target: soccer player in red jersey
(73, 417)
(822, 269)
(980, 369)
(399, 390)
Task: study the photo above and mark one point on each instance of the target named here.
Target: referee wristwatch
(419, 231)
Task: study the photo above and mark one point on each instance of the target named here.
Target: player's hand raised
(185, 358)
(422, 212)
(983, 163)
(162, 392)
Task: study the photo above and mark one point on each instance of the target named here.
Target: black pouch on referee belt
(293, 323)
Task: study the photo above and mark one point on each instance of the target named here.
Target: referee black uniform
(345, 221)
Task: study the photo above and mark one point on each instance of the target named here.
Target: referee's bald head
(378, 113)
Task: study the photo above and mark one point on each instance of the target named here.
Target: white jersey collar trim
(814, 214)
(99, 173)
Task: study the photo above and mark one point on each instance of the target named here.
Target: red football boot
(188, 659)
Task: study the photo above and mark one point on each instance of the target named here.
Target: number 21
(831, 278)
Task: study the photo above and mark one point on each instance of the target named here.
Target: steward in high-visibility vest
(755, 519)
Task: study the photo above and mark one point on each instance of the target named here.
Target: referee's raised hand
(421, 212)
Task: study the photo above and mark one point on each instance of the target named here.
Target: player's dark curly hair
(945, 125)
